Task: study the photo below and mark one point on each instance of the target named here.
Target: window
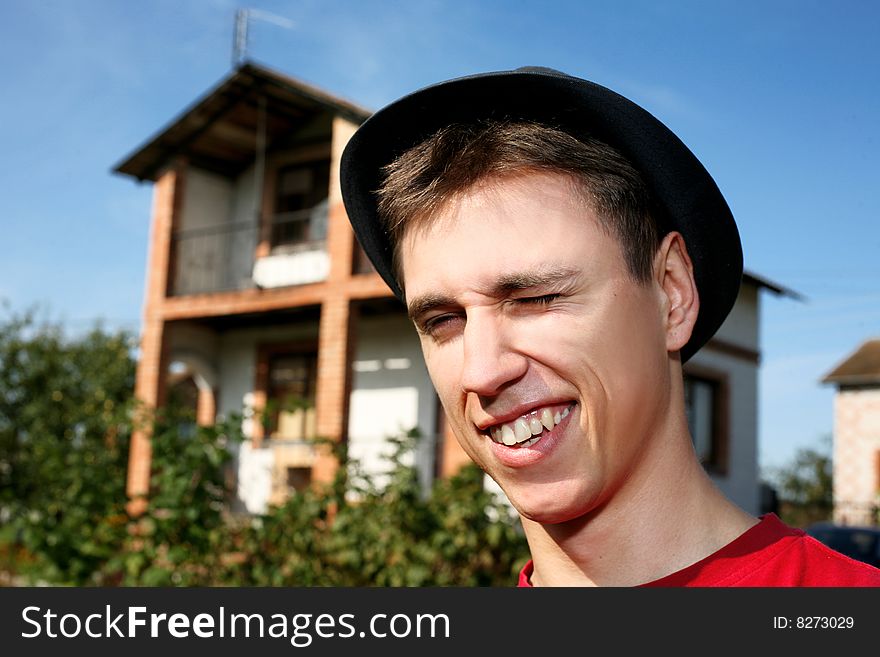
(291, 396)
(705, 397)
(301, 205)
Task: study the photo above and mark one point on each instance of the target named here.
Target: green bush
(178, 539)
(357, 533)
(64, 434)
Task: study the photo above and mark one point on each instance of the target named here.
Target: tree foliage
(805, 486)
(64, 433)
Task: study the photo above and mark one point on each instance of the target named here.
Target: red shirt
(769, 554)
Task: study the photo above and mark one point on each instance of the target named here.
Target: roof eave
(775, 288)
(133, 164)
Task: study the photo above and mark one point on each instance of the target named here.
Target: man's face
(550, 361)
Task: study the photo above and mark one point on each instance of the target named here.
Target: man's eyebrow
(503, 287)
(525, 280)
(427, 302)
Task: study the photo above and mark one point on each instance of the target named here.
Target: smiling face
(550, 360)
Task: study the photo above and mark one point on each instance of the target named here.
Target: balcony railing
(304, 230)
(222, 257)
(214, 258)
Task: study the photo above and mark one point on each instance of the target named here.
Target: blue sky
(779, 99)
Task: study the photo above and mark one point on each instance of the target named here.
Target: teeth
(522, 430)
(527, 430)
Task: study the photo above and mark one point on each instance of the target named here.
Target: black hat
(681, 187)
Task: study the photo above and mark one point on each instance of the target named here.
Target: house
(721, 396)
(857, 436)
(259, 298)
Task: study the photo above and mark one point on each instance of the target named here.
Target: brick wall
(856, 449)
(150, 376)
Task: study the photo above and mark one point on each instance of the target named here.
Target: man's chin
(549, 511)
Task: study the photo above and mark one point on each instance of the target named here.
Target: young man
(561, 254)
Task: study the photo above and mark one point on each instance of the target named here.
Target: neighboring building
(857, 436)
(257, 293)
(721, 394)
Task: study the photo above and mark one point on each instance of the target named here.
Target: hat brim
(683, 190)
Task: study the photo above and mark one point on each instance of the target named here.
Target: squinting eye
(442, 327)
(542, 300)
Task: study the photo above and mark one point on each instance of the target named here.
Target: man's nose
(490, 363)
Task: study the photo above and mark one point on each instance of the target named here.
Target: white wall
(743, 323)
(243, 242)
(391, 392)
(206, 200)
(244, 205)
(201, 258)
(196, 347)
(741, 481)
(222, 259)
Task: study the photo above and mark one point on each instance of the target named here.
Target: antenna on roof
(240, 35)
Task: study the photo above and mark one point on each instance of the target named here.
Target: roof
(862, 367)
(775, 288)
(218, 131)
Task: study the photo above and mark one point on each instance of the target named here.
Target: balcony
(222, 257)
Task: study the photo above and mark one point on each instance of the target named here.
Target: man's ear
(674, 273)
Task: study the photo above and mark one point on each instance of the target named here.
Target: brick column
(334, 343)
(206, 407)
(150, 377)
(338, 318)
(334, 381)
(149, 389)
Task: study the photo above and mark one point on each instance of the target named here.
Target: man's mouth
(528, 429)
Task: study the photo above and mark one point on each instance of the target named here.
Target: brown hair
(421, 181)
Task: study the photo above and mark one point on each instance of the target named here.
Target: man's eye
(542, 300)
(442, 326)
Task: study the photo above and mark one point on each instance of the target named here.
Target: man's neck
(658, 522)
